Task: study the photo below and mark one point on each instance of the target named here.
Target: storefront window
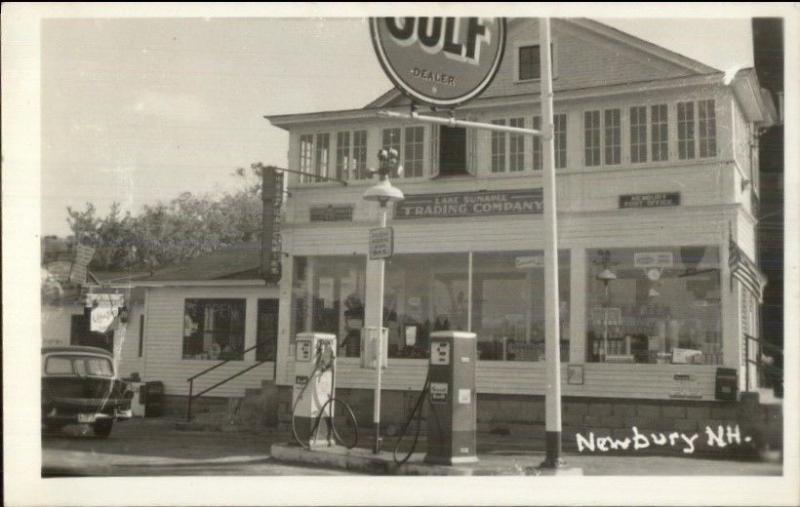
(508, 305)
(213, 329)
(654, 305)
(328, 297)
(424, 293)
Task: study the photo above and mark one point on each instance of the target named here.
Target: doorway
(452, 151)
(267, 330)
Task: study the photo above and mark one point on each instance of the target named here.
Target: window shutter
(434, 151)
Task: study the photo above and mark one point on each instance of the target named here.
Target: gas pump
(313, 393)
(452, 401)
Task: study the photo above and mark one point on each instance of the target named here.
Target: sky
(140, 110)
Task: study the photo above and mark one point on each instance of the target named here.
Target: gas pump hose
(331, 401)
(416, 410)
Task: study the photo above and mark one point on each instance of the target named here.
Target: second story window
(685, 130)
(413, 152)
(351, 154)
(537, 144)
(359, 169)
(559, 142)
(612, 136)
(591, 133)
(608, 136)
(391, 139)
(410, 145)
(560, 139)
(707, 127)
(659, 133)
(306, 156)
(498, 148)
(516, 146)
(638, 134)
(321, 155)
(508, 150)
(343, 157)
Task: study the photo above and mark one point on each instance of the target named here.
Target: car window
(98, 367)
(58, 366)
(78, 365)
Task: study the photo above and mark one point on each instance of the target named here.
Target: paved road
(156, 447)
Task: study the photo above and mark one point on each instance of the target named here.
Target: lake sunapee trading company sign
(439, 61)
(467, 204)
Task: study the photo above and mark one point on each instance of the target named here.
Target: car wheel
(102, 428)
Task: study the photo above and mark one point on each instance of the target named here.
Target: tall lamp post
(383, 193)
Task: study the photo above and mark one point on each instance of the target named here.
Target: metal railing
(762, 367)
(221, 382)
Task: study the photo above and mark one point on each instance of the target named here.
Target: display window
(328, 297)
(424, 293)
(654, 305)
(213, 329)
(508, 305)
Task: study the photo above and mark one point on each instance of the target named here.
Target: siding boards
(586, 191)
(600, 380)
(582, 60)
(164, 343)
(632, 228)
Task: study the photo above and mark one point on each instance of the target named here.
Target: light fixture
(606, 276)
(383, 192)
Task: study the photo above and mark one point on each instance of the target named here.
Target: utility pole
(551, 306)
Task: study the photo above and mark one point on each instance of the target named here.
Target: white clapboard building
(657, 172)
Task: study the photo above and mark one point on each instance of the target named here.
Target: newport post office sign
(439, 61)
(467, 204)
(656, 200)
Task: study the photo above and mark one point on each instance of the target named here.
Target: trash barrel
(153, 399)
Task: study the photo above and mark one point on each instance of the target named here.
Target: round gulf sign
(439, 61)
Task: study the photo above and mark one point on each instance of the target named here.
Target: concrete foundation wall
(759, 426)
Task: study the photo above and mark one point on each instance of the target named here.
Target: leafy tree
(165, 233)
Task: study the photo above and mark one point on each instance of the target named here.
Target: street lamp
(383, 193)
(606, 276)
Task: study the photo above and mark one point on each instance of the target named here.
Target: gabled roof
(394, 97)
(648, 47)
(240, 261)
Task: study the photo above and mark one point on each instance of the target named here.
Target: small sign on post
(381, 243)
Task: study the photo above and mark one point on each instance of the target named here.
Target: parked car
(80, 386)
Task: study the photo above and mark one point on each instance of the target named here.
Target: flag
(745, 270)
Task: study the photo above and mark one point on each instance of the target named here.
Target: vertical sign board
(83, 256)
(272, 200)
(439, 61)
